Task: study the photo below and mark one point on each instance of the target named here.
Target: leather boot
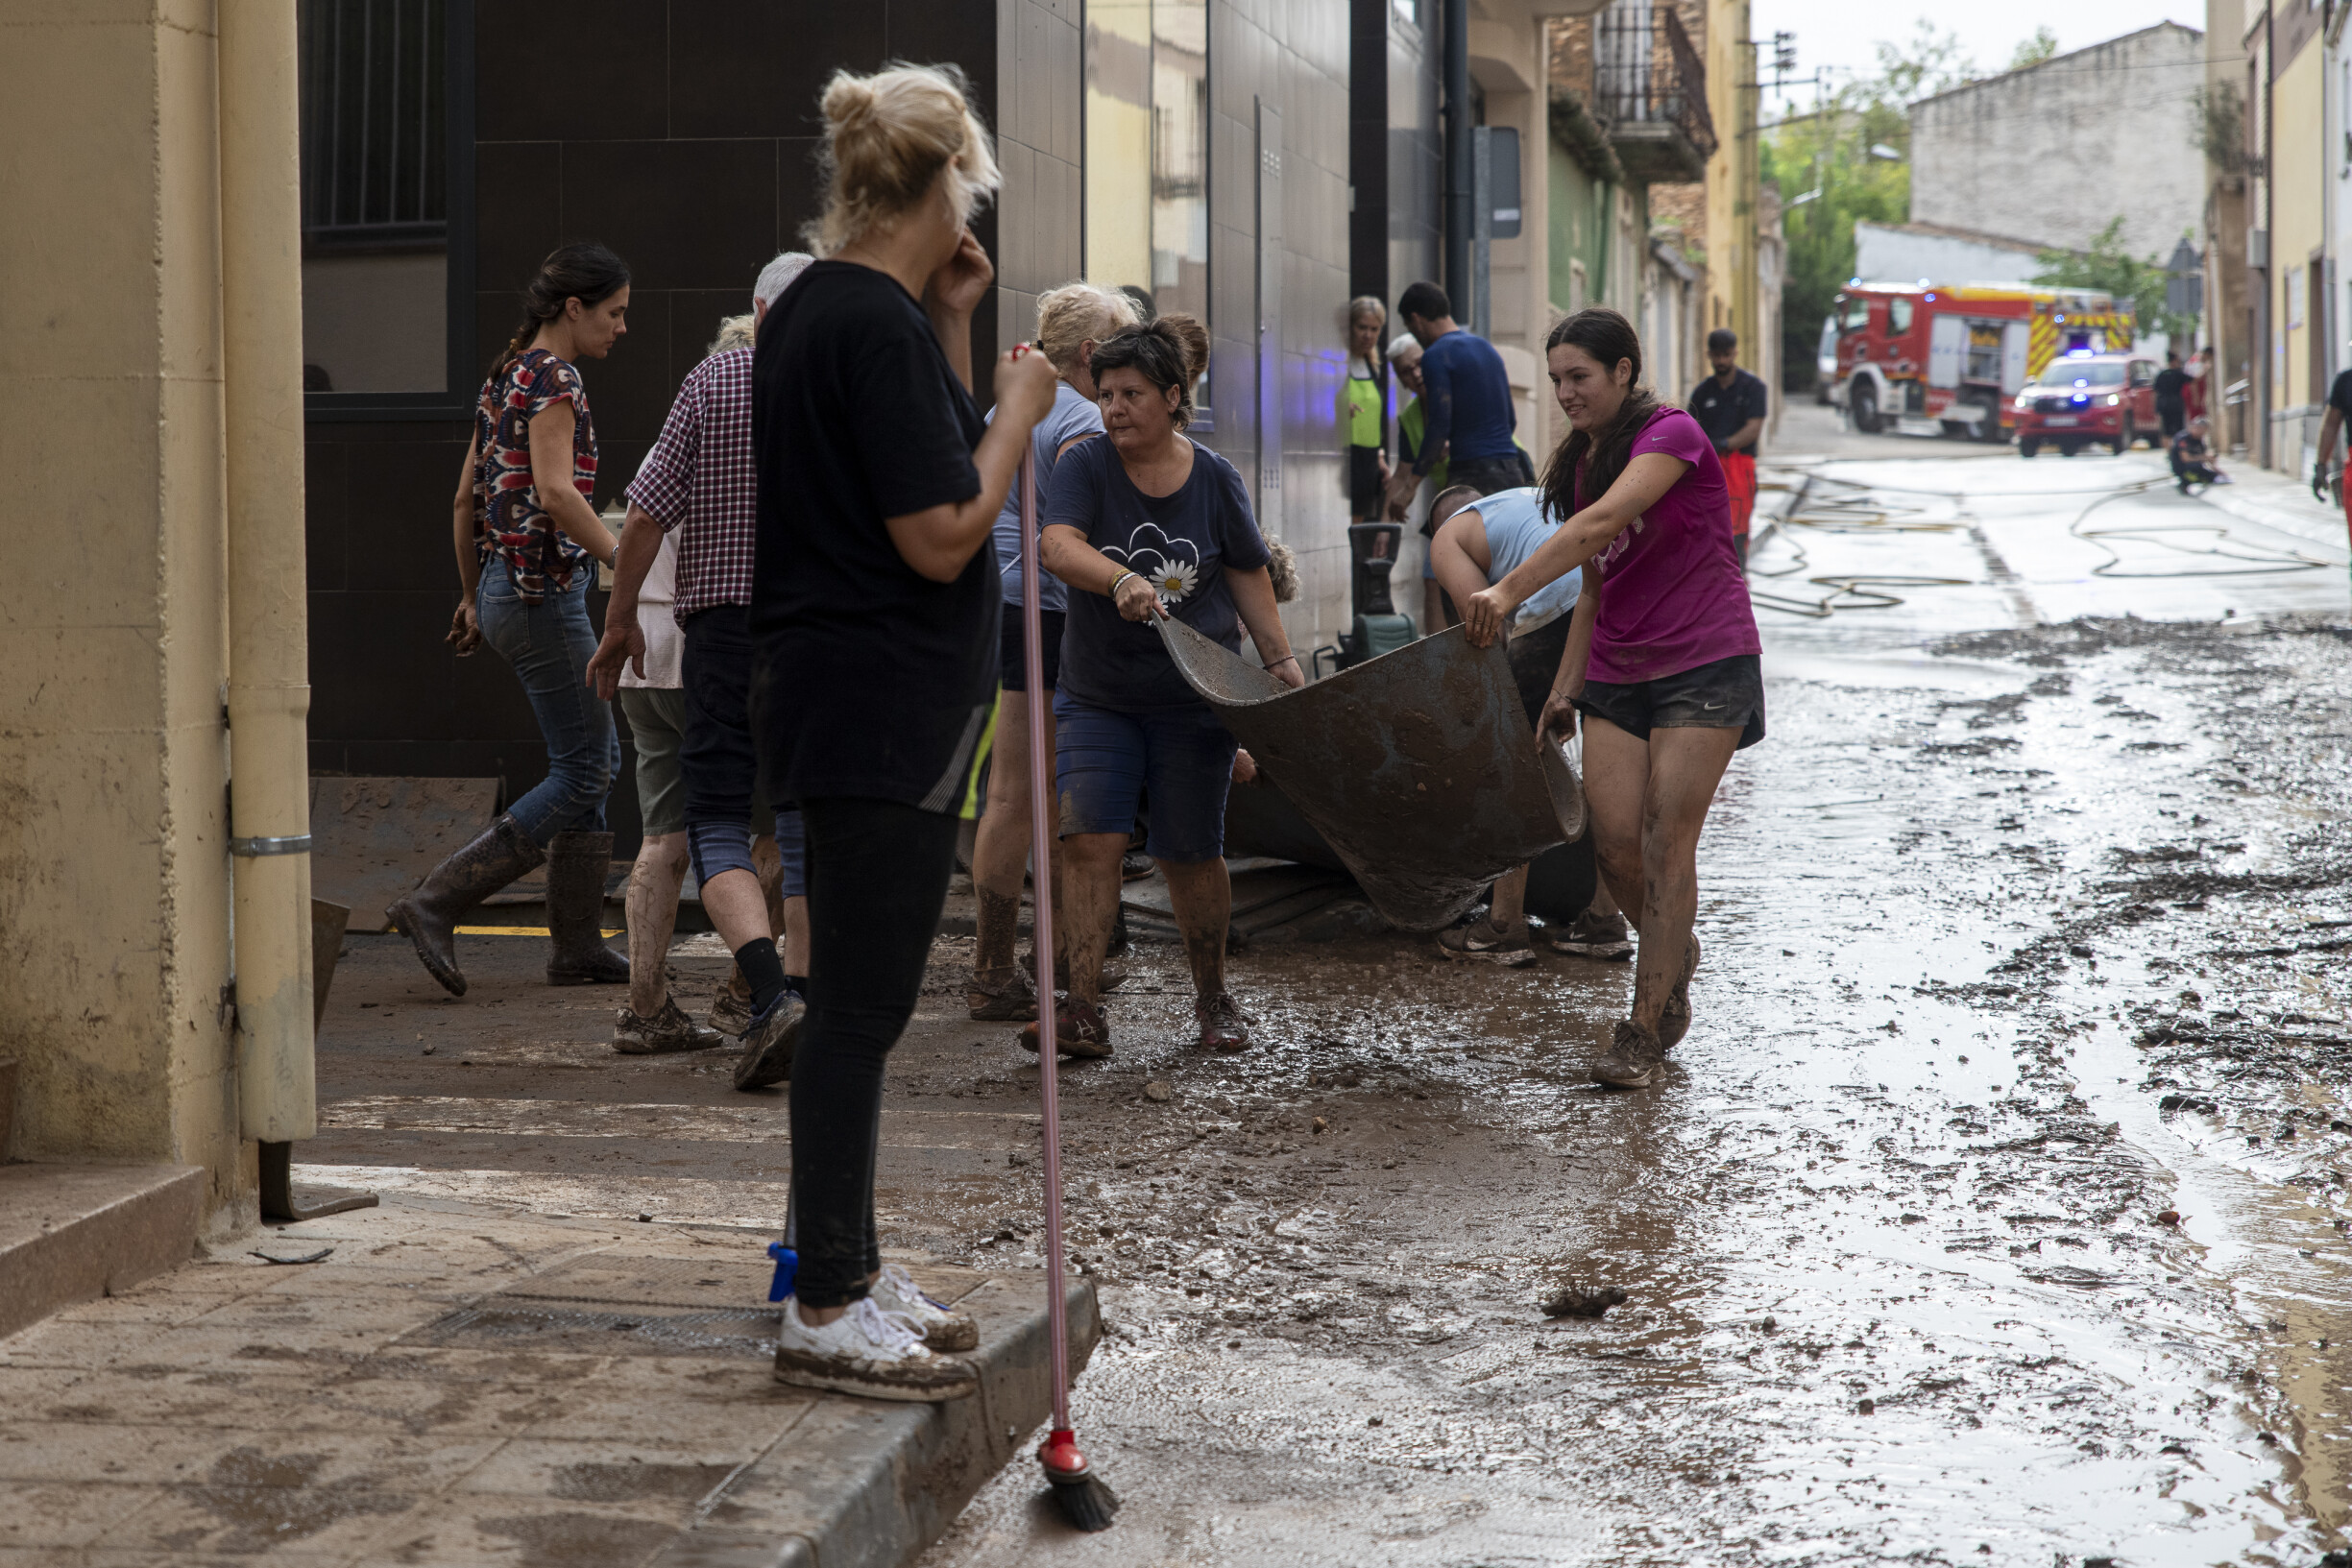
(429, 912)
(577, 866)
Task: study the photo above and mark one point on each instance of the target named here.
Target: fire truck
(1933, 358)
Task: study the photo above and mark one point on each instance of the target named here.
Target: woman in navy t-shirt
(1146, 524)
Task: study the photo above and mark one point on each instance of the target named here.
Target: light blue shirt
(1072, 417)
(1516, 527)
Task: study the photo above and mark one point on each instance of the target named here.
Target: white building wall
(2056, 151)
(1895, 253)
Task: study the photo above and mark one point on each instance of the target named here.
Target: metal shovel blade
(1418, 766)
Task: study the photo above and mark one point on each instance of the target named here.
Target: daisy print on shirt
(1172, 566)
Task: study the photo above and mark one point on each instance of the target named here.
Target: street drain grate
(507, 1323)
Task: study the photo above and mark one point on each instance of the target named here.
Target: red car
(2081, 399)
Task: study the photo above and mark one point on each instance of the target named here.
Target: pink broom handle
(1041, 854)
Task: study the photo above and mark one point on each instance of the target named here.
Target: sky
(1840, 34)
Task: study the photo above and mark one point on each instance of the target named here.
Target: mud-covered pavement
(1990, 1214)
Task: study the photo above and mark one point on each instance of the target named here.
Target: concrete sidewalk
(459, 1384)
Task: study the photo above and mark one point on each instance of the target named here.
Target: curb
(868, 1483)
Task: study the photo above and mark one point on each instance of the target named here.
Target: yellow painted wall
(113, 864)
(1729, 234)
(2295, 155)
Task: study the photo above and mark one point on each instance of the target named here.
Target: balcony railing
(1650, 86)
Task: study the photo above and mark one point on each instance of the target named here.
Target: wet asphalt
(1992, 1212)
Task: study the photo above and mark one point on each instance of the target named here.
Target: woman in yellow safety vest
(1362, 410)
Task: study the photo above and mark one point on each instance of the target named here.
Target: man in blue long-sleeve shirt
(1467, 415)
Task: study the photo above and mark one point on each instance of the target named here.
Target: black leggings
(878, 877)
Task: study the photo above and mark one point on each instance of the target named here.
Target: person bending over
(1661, 658)
(1071, 320)
(874, 613)
(1146, 524)
(1479, 542)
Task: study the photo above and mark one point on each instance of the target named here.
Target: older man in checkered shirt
(699, 481)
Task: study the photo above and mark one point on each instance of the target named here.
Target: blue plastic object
(787, 1268)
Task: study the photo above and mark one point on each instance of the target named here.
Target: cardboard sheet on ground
(1418, 767)
(374, 839)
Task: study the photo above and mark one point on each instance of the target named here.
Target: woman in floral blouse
(528, 541)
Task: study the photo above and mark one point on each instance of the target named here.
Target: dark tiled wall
(680, 133)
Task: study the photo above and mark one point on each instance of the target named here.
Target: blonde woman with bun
(1145, 524)
(874, 614)
(1071, 320)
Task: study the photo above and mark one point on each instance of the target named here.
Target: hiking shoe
(766, 1058)
(1675, 1021)
(1080, 1029)
(1593, 936)
(1634, 1059)
(730, 1013)
(1483, 943)
(1223, 1029)
(867, 1351)
(942, 1328)
(1009, 997)
(667, 1030)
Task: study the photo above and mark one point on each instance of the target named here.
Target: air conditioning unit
(2258, 249)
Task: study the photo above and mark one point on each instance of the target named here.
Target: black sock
(762, 971)
(798, 985)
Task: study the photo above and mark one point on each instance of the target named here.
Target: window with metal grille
(386, 200)
(375, 122)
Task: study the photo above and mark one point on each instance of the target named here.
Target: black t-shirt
(1181, 542)
(2340, 395)
(1722, 410)
(2172, 384)
(874, 681)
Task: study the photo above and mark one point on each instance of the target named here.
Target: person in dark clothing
(1468, 416)
(1730, 406)
(2171, 396)
(2193, 459)
(2331, 424)
(874, 612)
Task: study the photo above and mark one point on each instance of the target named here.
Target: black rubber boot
(577, 866)
(429, 912)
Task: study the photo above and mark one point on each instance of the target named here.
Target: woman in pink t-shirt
(1662, 655)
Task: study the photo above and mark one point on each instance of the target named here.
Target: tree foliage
(2106, 265)
(2042, 46)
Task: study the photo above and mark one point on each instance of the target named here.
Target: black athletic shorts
(1726, 695)
(1015, 663)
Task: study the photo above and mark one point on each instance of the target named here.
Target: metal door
(1270, 316)
(1947, 349)
(2014, 337)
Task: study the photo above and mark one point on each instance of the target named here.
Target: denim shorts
(1728, 694)
(1106, 764)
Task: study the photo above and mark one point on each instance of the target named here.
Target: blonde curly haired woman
(874, 606)
(1071, 320)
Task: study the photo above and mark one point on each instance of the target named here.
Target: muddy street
(1992, 1211)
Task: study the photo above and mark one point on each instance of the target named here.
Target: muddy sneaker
(667, 1030)
(867, 1351)
(1223, 1029)
(942, 1328)
(1593, 936)
(1633, 1059)
(766, 1058)
(1675, 1021)
(1004, 995)
(1483, 943)
(731, 1012)
(1078, 1030)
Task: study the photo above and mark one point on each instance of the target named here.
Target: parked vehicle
(1824, 363)
(2081, 399)
(1958, 356)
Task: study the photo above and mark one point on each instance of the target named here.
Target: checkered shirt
(699, 482)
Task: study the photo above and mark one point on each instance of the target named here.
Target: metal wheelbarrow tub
(1417, 767)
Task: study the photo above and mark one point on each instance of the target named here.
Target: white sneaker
(867, 1351)
(941, 1328)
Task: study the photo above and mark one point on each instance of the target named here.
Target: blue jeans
(549, 644)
